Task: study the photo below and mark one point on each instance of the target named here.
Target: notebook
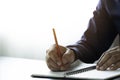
(81, 71)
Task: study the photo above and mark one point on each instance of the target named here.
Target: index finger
(103, 59)
(52, 53)
(106, 55)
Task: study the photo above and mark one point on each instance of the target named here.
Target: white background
(26, 25)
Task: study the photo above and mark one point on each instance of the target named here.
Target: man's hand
(57, 63)
(110, 60)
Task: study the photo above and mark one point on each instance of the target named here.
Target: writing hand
(110, 60)
(54, 61)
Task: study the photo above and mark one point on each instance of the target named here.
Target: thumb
(68, 56)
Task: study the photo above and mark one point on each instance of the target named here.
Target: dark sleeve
(97, 38)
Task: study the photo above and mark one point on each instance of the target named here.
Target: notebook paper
(88, 74)
(95, 74)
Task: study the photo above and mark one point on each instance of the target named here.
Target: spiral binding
(80, 70)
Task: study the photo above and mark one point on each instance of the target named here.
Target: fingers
(115, 66)
(65, 67)
(52, 65)
(52, 53)
(67, 59)
(55, 58)
(105, 62)
(52, 59)
(55, 62)
(110, 60)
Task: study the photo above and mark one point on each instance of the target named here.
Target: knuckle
(51, 52)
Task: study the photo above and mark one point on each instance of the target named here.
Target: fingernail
(111, 68)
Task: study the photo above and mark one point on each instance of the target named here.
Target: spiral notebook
(82, 71)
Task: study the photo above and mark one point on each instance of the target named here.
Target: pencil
(56, 42)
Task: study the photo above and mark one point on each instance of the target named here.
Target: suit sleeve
(97, 38)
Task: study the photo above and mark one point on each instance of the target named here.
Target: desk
(20, 69)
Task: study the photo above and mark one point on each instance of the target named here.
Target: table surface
(20, 69)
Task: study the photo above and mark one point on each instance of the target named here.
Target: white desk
(18, 68)
(21, 69)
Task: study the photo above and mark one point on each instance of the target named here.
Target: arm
(97, 38)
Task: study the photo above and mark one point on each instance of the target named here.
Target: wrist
(74, 55)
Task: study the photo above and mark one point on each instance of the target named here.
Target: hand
(55, 62)
(110, 60)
